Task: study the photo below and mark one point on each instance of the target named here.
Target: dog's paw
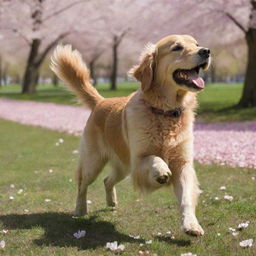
(161, 173)
(192, 227)
(79, 212)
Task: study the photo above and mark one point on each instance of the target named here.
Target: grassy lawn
(216, 101)
(39, 228)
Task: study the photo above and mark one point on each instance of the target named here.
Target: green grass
(29, 152)
(49, 93)
(216, 101)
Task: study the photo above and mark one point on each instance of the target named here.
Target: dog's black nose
(204, 52)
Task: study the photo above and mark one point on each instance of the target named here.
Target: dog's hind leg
(118, 174)
(90, 165)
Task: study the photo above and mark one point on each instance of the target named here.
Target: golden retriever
(148, 134)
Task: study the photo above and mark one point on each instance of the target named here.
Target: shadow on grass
(59, 228)
(178, 242)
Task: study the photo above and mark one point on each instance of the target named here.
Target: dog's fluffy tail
(69, 67)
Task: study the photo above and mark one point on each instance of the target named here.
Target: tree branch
(16, 31)
(238, 24)
(42, 56)
(62, 10)
(120, 37)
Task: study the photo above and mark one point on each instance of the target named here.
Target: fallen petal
(246, 243)
(2, 244)
(79, 234)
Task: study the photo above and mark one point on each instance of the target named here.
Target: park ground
(217, 101)
(31, 161)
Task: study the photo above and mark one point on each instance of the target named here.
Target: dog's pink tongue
(197, 80)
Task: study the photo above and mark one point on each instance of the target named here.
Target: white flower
(235, 233)
(61, 140)
(70, 180)
(216, 198)
(11, 197)
(253, 178)
(26, 210)
(50, 171)
(57, 144)
(141, 245)
(2, 244)
(188, 254)
(243, 225)
(218, 234)
(169, 233)
(246, 243)
(75, 151)
(113, 246)
(228, 198)
(146, 252)
(12, 186)
(135, 237)
(20, 191)
(159, 233)
(89, 201)
(232, 229)
(4, 231)
(47, 200)
(149, 242)
(79, 234)
(222, 188)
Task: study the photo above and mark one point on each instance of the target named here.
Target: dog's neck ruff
(176, 113)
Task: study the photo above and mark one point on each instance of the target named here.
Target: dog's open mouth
(190, 77)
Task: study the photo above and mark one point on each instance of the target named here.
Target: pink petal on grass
(79, 234)
(228, 198)
(2, 244)
(243, 225)
(113, 246)
(246, 243)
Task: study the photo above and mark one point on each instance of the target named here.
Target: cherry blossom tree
(119, 18)
(41, 24)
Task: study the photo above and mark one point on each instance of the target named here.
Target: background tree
(41, 24)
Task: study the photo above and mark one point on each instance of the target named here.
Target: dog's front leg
(151, 172)
(187, 191)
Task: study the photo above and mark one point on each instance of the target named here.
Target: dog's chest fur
(165, 133)
(154, 134)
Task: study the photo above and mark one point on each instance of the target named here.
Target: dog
(149, 134)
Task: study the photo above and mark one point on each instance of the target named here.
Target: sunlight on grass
(37, 227)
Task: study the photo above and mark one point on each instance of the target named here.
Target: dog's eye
(177, 48)
(197, 45)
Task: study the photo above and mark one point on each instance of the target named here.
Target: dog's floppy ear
(144, 72)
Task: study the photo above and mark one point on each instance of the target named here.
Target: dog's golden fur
(155, 149)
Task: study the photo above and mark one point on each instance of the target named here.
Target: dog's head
(174, 61)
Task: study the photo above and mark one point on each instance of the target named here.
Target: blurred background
(111, 34)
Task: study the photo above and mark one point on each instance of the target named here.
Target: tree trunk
(92, 71)
(55, 80)
(31, 74)
(5, 73)
(1, 70)
(113, 77)
(248, 98)
(213, 73)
